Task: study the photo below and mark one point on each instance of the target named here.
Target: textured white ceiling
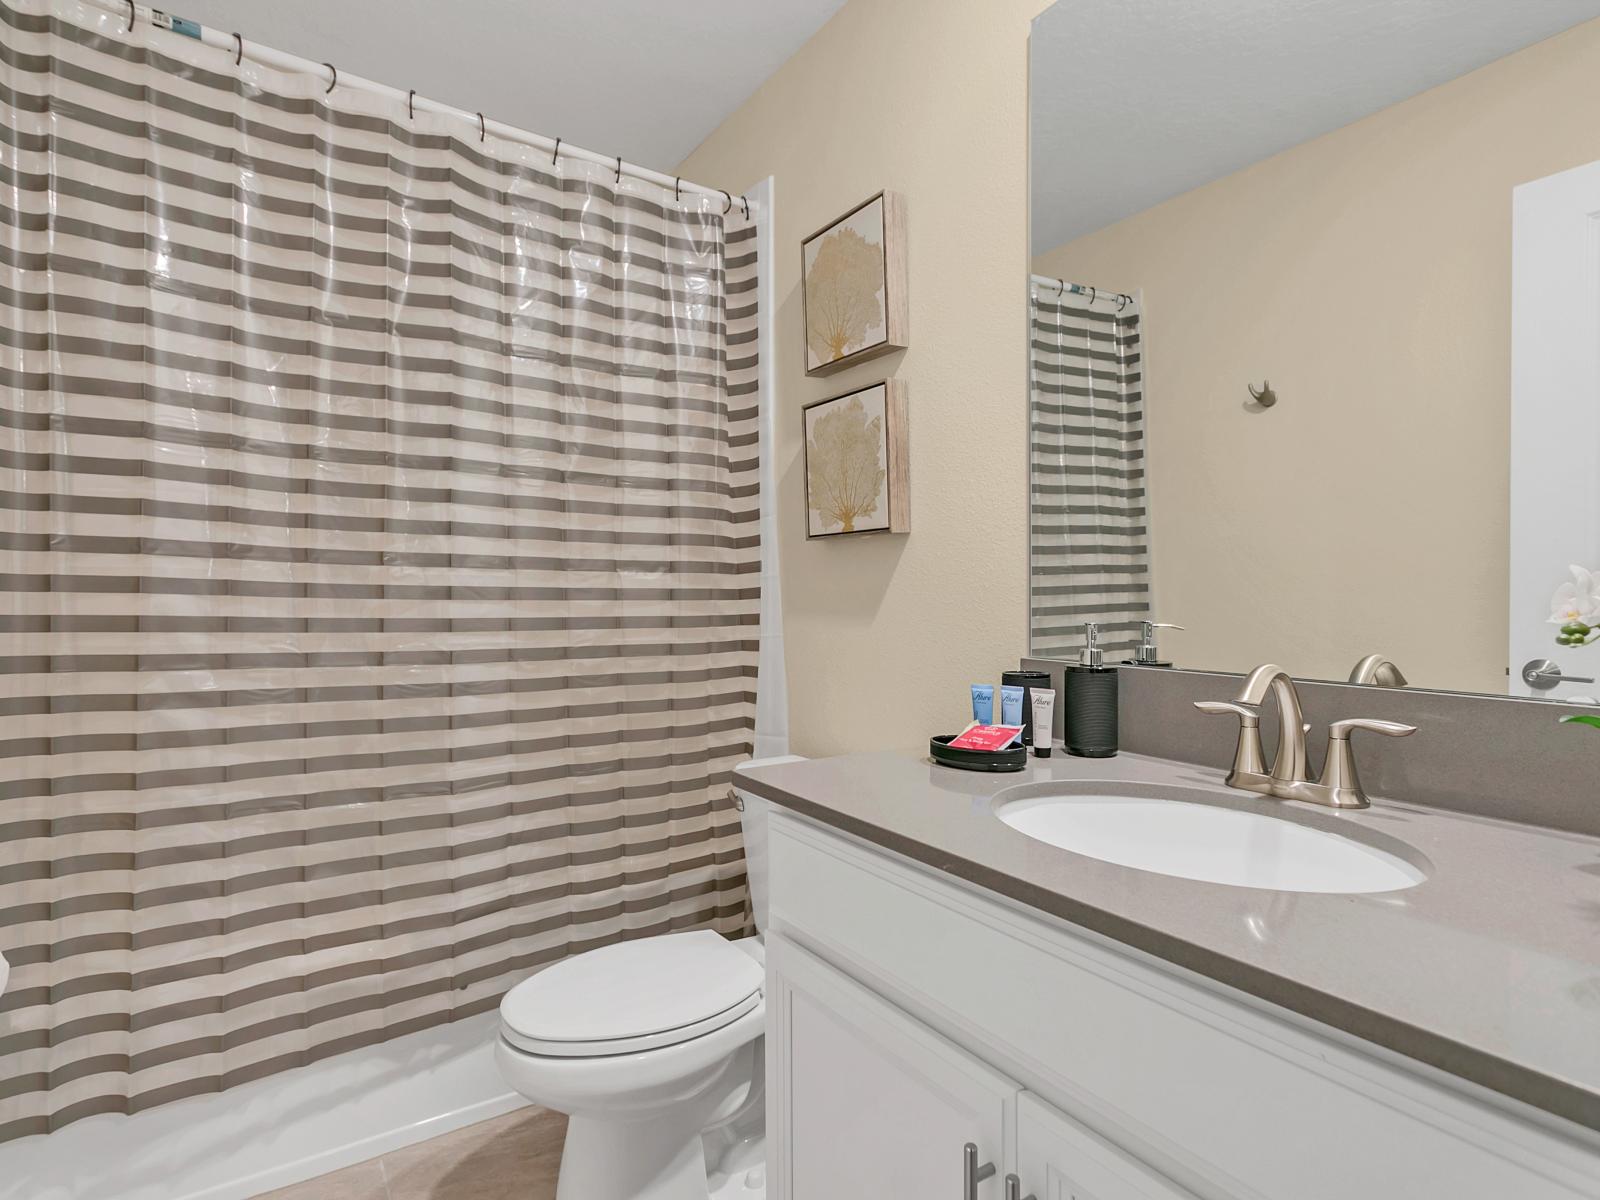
(646, 79)
(1136, 101)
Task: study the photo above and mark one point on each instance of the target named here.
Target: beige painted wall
(928, 98)
(1367, 274)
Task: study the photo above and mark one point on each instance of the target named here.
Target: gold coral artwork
(856, 462)
(853, 275)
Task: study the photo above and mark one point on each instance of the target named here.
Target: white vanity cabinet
(874, 1104)
(911, 1013)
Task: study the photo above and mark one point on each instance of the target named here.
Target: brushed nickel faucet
(1290, 776)
(1379, 671)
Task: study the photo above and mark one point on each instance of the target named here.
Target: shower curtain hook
(619, 168)
(727, 208)
(677, 187)
(746, 201)
(238, 50)
(554, 154)
(1061, 288)
(411, 105)
(1123, 301)
(132, 12)
(1093, 295)
(483, 130)
(334, 81)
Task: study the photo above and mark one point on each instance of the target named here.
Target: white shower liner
(772, 681)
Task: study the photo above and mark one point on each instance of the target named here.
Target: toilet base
(739, 1171)
(661, 1158)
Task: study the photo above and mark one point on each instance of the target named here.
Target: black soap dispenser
(1091, 700)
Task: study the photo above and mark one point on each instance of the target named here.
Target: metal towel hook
(238, 50)
(554, 154)
(334, 81)
(132, 12)
(1266, 397)
(411, 105)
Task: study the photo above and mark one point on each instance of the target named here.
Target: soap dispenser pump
(1091, 724)
(1148, 655)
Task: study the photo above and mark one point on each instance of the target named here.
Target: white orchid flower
(1578, 601)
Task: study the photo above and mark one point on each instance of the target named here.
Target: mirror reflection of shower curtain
(1089, 553)
(382, 564)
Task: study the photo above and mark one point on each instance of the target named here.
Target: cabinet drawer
(1224, 1097)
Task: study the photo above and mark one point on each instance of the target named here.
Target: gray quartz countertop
(1488, 970)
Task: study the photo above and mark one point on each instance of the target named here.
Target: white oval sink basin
(1208, 842)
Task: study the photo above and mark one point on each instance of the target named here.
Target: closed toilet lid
(632, 996)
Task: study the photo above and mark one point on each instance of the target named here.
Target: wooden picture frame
(855, 306)
(861, 460)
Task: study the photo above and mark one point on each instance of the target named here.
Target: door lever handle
(1542, 674)
(972, 1172)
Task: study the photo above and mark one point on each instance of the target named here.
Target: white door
(1058, 1159)
(866, 1101)
(1555, 415)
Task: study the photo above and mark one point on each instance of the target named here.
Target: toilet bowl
(649, 1046)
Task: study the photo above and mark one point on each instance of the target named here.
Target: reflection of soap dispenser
(1147, 654)
(1091, 700)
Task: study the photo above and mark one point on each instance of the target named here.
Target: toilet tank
(753, 817)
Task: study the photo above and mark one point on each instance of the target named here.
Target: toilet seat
(610, 1046)
(632, 996)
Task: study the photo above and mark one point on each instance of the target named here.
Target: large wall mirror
(1315, 337)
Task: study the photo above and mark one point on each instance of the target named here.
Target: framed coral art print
(857, 465)
(853, 286)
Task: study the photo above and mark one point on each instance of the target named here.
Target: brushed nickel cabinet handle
(972, 1173)
(1014, 1189)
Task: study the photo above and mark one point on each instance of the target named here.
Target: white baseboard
(274, 1132)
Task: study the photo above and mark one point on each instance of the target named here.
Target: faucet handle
(1341, 786)
(1248, 714)
(1341, 730)
(1249, 761)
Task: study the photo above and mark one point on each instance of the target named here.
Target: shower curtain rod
(1049, 283)
(280, 60)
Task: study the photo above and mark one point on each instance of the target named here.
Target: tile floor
(514, 1157)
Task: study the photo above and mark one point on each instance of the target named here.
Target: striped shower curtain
(381, 565)
(1089, 539)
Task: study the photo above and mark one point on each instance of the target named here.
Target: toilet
(652, 1048)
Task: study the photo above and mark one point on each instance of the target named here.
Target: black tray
(1014, 758)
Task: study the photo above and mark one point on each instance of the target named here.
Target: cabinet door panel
(867, 1102)
(1058, 1159)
